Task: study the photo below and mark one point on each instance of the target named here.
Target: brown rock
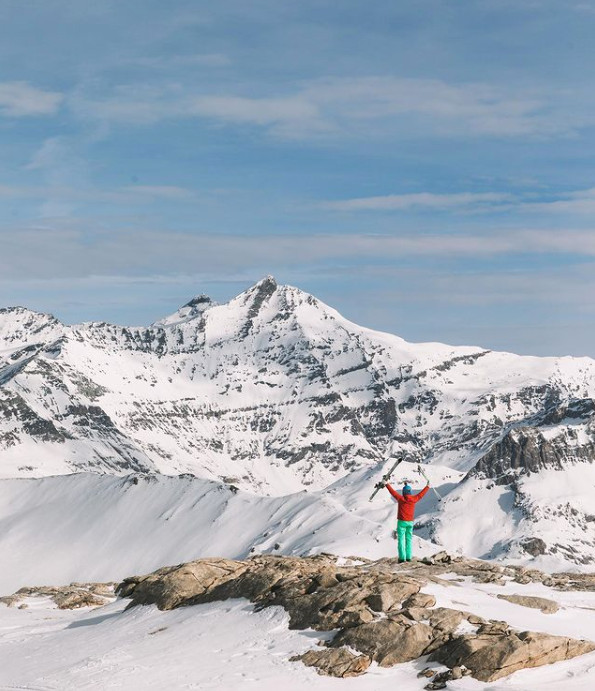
(78, 598)
(318, 594)
(542, 603)
(445, 620)
(386, 641)
(173, 586)
(492, 656)
(390, 595)
(335, 662)
(354, 617)
(457, 672)
(415, 613)
(70, 596)
(426, 673)
(420, 600)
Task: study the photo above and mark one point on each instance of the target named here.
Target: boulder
(420, 600)
(173, 586)
(71, 596)
(335, 662)
(492, 654)
(387, 641)
(542, 603)
(390, 595)
(445, 620)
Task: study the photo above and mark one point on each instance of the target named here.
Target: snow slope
(89, 527)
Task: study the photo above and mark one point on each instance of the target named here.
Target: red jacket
(407, 503)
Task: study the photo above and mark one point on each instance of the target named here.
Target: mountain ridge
(273, 388)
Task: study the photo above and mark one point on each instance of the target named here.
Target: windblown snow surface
(226, 646)
(262, 426)
(89, 527)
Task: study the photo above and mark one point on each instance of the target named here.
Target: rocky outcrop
(496, 651)
(71, 596)
(544, 604)
(379, 610)
(388, 641)
(335, 662)
(527, 449)
(186, 584)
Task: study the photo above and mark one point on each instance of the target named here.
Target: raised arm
(424, 491)
(396, 495)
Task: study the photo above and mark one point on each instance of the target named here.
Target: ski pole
(425, 477)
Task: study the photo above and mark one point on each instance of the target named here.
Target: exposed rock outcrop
(379, 609)
(494, 653)
(529, 450)
(335, 662)
(544, 604)
(71, 596)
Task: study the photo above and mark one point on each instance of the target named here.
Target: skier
(407, 502)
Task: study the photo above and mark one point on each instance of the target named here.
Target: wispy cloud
(285, 116)
(160, 191)
(20, 99)
(120, 195)
(421, 200)
(577, 202)
(65, 251)
(350, 106)
(570, 203)
(168, 62)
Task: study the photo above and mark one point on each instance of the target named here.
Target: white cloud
(578, 202)
(65, 252)
(130, 194)
(166, 62)
(364, 106)
(19, 99)
(427, 200)
(287, 116)
(160, 191)
(470, 108)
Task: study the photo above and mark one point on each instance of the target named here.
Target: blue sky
(426, 168)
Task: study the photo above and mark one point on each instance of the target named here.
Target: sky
(425, 168)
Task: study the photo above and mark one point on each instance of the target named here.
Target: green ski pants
(404, 536)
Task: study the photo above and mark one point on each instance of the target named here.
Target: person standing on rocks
(407, 502)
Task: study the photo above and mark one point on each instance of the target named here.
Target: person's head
(406, 489)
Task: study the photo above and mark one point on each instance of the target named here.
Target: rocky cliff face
(274, 389)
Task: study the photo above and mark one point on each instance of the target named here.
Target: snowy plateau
(260, 427)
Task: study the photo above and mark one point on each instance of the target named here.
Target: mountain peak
(267, 284)
(199, 302)
(191, 310)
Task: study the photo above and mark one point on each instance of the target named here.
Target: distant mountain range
(275, 392)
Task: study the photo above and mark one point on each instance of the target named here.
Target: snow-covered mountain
(275, 392)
